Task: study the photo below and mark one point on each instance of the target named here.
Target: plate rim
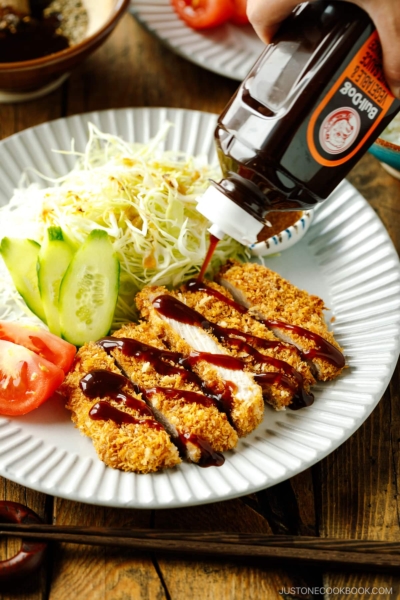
(177, 49)
(305, 464)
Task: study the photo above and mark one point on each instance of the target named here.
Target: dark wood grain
(360, 481)
(14, 118)
(102, 573)
(377, 555)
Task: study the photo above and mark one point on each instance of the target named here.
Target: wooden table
(353, 493)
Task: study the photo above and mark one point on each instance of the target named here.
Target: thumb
(386, 16)
(390, 41)
(267, 16)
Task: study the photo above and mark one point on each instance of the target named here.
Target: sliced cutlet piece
(292, 314)
(104, 407)
(248, 339)
(174, 393)
(221, 373)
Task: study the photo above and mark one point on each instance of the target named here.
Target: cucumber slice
(53, 261)
(89, 291)
(20, 257)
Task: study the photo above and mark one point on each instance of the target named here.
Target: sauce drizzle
(104, 411)
(323, 348)
(172, 308)
(209, 457)
(101, 383)
(186, 396)
(211, 249)
(182, 367)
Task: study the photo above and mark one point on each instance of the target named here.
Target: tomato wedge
(201, 14)
(26, 379)
(45, 344)
(240, 15)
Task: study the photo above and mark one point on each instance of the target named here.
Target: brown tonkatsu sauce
(209, 457)
(210, 252)
(173, 308)
(182, 367)
(104, 411)
(323, 348)
(101, 383)
(156, 357)
(185, 395)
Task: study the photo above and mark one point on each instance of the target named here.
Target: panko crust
(206, 422)
(222, 314)
(141, 448)
(130, 447)
(245, 415)
(270, 296)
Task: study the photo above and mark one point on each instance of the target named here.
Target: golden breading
(181, 417)
(226, 316)
(134, 447)
(246, 402)
(270, 296)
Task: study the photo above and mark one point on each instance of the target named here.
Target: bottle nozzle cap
(216, 231)
(228, 218)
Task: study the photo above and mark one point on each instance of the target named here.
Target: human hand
(266, 16)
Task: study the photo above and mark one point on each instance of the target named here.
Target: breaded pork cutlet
(246, 338)
(125, 437)
(174, 394)
(220, 372)
(292, 314)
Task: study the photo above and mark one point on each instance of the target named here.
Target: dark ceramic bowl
(388, 154)
(30, 79)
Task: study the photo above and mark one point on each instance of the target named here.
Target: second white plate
(346, 258)
(229, 50)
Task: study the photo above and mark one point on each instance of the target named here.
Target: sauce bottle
(309, 109)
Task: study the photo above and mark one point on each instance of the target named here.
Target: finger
(389, 34)
(386, 17)
(267, 15)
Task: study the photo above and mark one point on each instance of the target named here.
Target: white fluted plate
(229, 49)
(346, 258)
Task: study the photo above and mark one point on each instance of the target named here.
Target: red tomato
(200, 14)
(26, 379)
(240, 15)
(44, 343)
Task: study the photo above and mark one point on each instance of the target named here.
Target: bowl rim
(118, 9)
(387, 145)
(291, 231)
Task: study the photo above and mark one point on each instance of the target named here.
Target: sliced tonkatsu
(105, 407)
(174, 393)
(224, 375)
(283, 375)
(192, 375)
(292, 314)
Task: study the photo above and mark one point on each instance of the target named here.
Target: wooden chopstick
(375, 555)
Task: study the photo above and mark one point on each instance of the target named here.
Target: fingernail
(395, 87)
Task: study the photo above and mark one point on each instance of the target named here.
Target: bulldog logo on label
(339, 130)
(349, 113)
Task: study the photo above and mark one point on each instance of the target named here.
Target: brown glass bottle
(306, 113)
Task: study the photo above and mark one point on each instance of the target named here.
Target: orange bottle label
(352, 109)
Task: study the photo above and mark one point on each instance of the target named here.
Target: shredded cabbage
(145, 199)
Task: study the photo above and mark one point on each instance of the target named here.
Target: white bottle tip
(216, 231)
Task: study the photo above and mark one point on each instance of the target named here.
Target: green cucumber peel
(54, 258)
(21, 257)
(89, 290)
